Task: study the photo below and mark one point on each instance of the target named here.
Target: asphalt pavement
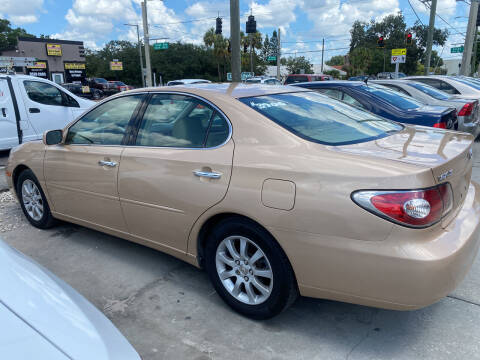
(167, 309)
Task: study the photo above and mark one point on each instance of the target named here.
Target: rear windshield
(395, 98)
(296, 79)
(320, 119)
(430, 90)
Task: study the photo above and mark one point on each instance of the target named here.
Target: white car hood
(56, 312)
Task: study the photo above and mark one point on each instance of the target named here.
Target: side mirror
(53, 137)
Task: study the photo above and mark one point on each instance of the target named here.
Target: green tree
(336, 60)
(393, 28)
(335, 73)
(220, 48)
(9, 35)
(297, 64)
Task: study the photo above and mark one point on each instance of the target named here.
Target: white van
(30, 105)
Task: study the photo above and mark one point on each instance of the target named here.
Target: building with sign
(62, 61)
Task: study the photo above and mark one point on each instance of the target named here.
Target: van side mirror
(53, 137)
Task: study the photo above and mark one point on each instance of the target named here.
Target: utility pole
(251, 52)
(467, 52)
(146, 40)
(235, 39)
(431, 26)
(323, 49)
(139, 53)
(278, 55)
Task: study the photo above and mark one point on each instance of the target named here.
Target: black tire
(47, 220)
(284, 289)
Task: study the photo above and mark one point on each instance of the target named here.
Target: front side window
(43, 93)
(106, 124)
(181, 121)
(318, 118)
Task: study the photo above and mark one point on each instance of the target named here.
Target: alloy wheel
(244, 270)
(32, 200)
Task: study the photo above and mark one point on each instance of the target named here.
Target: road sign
(456, 50)
(272, 58)
(247, 75)
(398, 52)
(229, 76)
(160, 46)
(398, 59)
(116, 65)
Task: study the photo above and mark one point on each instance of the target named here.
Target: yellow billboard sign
(38, 65)
(398, 52)
(75, 66)
(54, 50)
(116, 65)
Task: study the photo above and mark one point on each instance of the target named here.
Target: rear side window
(397, 88)
(181, 121)
(319, 119)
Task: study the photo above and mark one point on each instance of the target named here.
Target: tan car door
(81, 174)
(178, 166)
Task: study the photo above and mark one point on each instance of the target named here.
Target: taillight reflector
(466, 110)
(440, 125)
(412, 208)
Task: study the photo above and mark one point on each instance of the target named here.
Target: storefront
(62, 61)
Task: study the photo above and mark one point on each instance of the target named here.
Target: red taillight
(466, 110)
(414, 208)
(440, 125)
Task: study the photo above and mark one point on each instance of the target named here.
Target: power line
(415, 12)
(314, 51)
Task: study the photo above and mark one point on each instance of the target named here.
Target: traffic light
(218, 28)
(229, 47)
(251, 26)
(408, 39)
(381, 42)
(245, 48)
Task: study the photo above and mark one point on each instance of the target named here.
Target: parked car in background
(44, 318)
(84, 91)
(274, 190)
(456, 86)
(468, 111)
(263, 80)
(121, 86)
(390, 75)
(297, 78)
(102, 84)
(387, 103)
(30, 105)
(187, 81)
(362, 77)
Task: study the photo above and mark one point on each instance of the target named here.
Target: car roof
(235, 90)
(188, 80)
(348, 83)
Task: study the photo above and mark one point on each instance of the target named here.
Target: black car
(84, 91)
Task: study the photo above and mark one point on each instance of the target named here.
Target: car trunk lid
(447, 153)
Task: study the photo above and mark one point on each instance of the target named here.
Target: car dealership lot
(168, 310)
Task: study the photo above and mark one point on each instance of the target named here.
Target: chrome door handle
(107, 163)
(207, 174)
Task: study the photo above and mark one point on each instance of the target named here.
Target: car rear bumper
(470, 127)
(410, 269)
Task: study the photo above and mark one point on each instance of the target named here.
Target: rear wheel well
(210, 224)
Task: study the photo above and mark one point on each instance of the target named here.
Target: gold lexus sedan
(276, 191)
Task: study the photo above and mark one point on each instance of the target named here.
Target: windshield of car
(320, 119)
(430, 90)
(470, 83)
(397, 99)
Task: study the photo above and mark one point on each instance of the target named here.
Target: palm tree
(220, 47)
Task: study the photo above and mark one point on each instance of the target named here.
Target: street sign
(160, 46)
(247, 75)
(456, 50)
(229, 76)
(398, 52)
(116, 65)
(272, 58)
(398, 59)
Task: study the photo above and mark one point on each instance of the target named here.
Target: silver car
(43, 318)
(452, 85)
(468, 110)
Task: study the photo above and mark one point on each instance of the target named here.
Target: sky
(303, 23)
